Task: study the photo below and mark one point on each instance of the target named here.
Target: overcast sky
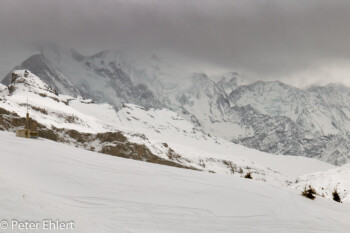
(297, 41)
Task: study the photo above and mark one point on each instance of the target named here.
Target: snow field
(43, 179)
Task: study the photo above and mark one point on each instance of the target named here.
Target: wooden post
(27, 121)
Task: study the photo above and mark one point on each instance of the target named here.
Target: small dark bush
(336, 196)
(248, 176)
(309, 193)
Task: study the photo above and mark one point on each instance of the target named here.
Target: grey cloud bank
(268, 39)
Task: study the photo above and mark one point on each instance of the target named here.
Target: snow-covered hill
(268, 116)
(42, 179)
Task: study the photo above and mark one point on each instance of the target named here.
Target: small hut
(26, 132)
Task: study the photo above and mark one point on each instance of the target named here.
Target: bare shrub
(248, 175)
(336, 196)
(309, 193)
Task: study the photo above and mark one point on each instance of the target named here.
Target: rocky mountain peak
(26, 81)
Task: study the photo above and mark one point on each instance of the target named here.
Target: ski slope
(41, 179)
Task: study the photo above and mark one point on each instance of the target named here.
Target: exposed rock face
(111, 143)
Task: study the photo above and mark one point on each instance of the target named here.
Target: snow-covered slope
(42, 179)
(325, 183)
(164, 133)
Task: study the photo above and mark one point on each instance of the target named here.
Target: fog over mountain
(298, 43)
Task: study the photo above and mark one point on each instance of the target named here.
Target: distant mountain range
(267, 116)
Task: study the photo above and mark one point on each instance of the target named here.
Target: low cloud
(268, 39)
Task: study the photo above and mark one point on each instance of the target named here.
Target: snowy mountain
(268, 116)
(153, 135)
(274, 117)
(315, 120)
(100, 77)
